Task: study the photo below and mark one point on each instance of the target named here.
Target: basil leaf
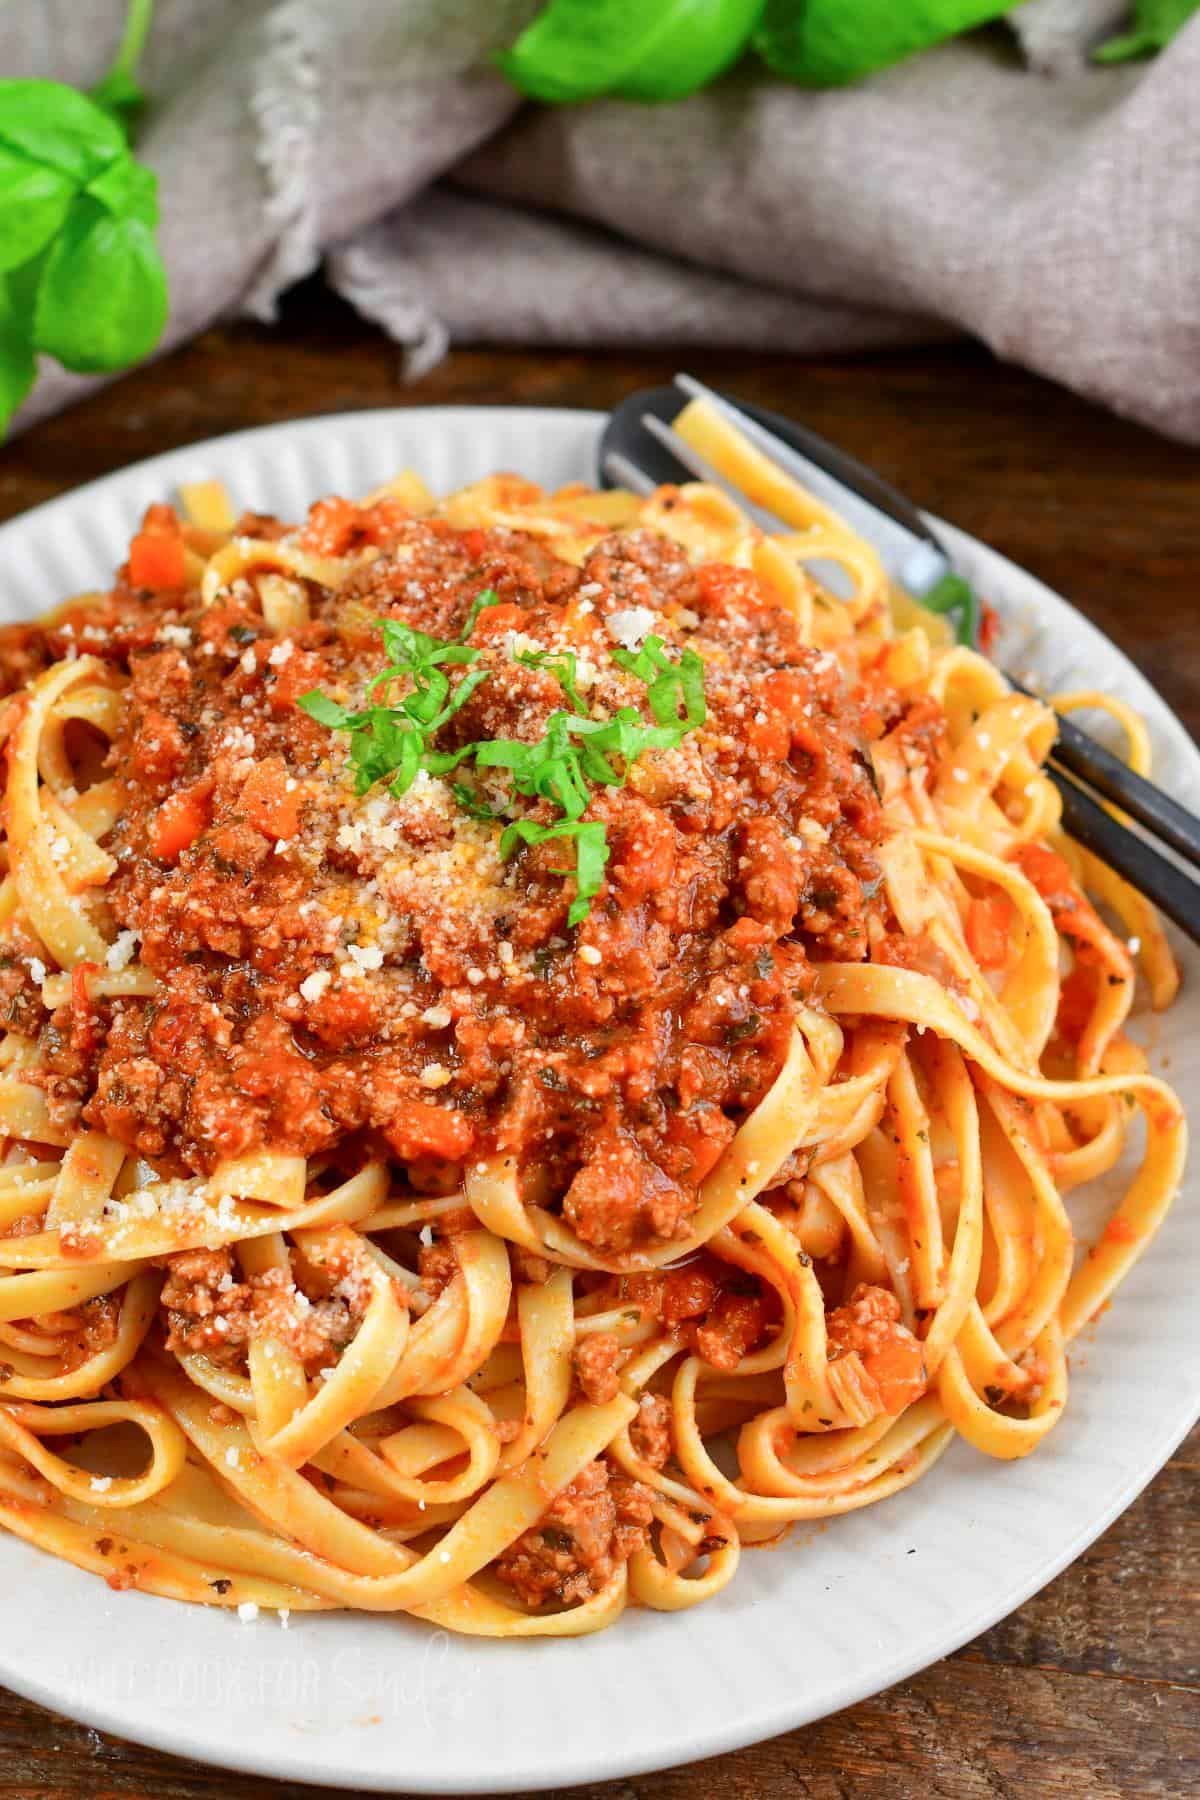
(1155, 23)
(591, 855)
(324, 710)
(121, 98)
(18, 364)
(102, 299)
(952, 594)
(429, 693)
(504, 753)
(562, 664)
(591, 860)
(472, 805)
(669, 685)
(57, 127)
(460, 696)
(487, 597)
(651, 50)
(825, 43)
(34, 201)
(410, 648)
(409, 765)
(127, 188)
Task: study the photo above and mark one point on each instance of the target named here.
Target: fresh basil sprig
(639, 49)
(1155, 23)
(825, 43)
(81, 278)
(662, 50)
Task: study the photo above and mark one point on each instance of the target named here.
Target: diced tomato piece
(180, 820)
(344, 1016)
(989, 628)
(494, 621)
(303, 671)
(1076, 1002)
(734, 1326)
(83, 1011)
(701, 1134)
(721, 588)
(473, 542)
(335, 526)
(645, 861)
(329, 526)
(1073, 913)
(987, 926)
(770, 737)
(688, 1293)
(788, 691)
(422, 1128)
(1120, 1231)
(1050, 873)
(267, 803)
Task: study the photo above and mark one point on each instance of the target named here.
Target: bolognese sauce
(340, 969)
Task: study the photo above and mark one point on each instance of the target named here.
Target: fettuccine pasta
(541, 1046)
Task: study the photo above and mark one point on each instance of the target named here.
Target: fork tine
(626, 474)
(780, 453)
(705, 471)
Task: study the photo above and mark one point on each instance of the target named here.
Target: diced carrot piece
(988, 923)
(267, 803)
(157, 561)
(899, 1368)
(181, 819)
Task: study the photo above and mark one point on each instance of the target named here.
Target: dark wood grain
(1091, 1691)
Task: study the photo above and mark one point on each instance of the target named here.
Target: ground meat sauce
(590, 1528)
(343, 975)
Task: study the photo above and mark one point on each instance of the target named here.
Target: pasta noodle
(499, 1116)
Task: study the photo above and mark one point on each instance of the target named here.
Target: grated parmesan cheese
(121, 951)
(631, 626)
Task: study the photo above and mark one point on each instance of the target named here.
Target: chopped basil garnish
(577, 753)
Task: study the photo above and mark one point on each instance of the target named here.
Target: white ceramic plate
(833, 1616)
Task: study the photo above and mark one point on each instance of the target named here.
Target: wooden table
(1092, 1690)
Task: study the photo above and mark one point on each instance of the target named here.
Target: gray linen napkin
(1058, 220)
